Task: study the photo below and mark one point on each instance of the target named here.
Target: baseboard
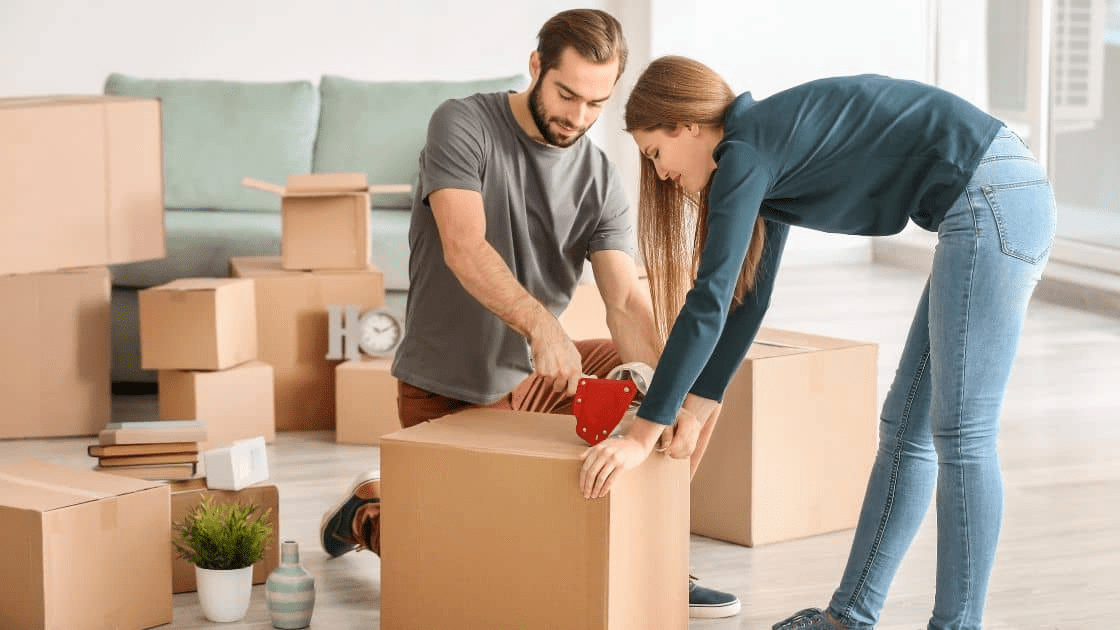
(1062, 283)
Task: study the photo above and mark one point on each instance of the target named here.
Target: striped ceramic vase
(290, 590)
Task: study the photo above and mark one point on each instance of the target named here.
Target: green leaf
(223, 536)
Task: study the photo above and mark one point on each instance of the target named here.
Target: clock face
(381, 332)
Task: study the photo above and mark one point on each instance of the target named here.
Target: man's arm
(480, 269)
(629, 310)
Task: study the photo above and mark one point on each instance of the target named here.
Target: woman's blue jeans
(940, 419)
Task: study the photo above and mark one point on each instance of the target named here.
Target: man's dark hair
(595, 35)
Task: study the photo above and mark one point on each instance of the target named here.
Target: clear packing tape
(636, 371)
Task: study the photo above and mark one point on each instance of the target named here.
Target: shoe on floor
(810, 619)
(336, 529)
(707, 603)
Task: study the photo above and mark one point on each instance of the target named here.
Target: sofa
(217, 132)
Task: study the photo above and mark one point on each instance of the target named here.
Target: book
(154, 472)
(152, 431)
(158, 458)
(119, 450)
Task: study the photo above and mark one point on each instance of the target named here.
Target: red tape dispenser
(599, 406)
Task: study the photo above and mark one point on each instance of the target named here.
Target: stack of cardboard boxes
(201, 334)
(82, 182)
(324, 261)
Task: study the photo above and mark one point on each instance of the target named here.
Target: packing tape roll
(636, 371)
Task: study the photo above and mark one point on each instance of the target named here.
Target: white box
(233, 467)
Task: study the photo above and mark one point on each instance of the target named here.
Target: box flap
(254, 266)
(514, 432)
(41, 486)
(321, 183)
(772, 342)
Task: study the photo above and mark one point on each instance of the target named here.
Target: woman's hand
(691, 419)
(604, 462)
(685, 434)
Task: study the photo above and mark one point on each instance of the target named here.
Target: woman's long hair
(672, 224)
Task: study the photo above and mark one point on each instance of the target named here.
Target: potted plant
(223, 541)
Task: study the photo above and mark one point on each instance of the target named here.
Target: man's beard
(539, 118)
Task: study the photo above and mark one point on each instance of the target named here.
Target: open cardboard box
(325, 218)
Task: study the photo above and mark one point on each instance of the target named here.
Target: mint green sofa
(217, 132)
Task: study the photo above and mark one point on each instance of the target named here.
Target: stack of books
(155, 450)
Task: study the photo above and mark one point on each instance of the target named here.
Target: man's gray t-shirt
(547, 208)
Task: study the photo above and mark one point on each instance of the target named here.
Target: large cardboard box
(365, 401)
(794, 444)
(198, 324)
(483, 514)
(187, 494)
(235, 403)
(325, 219)
(82, 549)
(293, 336)
(54, 343)
(81, 182)
(586, 315)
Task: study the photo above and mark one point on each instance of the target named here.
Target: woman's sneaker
(336, 530)
(707, 603)
(810, 619)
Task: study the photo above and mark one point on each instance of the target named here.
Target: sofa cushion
(216, 132)
(200, 244)
(379, 127)
(389, 250)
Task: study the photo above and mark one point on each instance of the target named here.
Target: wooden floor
(1059, 559)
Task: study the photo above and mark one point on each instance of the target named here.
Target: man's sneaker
(336, 531)
(810, 619)
(706, 603)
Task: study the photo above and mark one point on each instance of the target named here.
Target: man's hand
(555, 356)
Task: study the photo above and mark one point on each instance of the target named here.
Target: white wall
(70, 46)
(765, 47)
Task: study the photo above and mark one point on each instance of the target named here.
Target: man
(512, 199)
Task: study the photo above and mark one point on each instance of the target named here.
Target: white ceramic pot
(224, 595)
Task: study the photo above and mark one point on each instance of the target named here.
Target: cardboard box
(586, 315)
(55, 343)
(235, 403)
(485, 497)
(198, 324)
(292, 332)
(366, 401)
(187, 494)
(325, 219)
(795, 441)
(82, 182)
(82, 549)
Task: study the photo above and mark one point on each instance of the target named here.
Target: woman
(722, 179)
